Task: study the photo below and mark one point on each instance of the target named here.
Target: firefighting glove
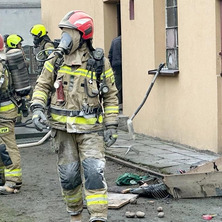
(110, 136)
(39, 119)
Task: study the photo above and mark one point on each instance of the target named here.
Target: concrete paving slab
(162, 164)
(175, 169)
(150, 142)
(204, 156)
(147, 151)
(156, 154)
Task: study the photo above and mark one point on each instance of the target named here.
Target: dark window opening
(131, 9)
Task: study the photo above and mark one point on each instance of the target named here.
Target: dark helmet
(80, 21)
(5, 38)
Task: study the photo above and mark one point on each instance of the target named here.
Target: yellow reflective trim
(112, 79)
(97, 199)
(48, 66)
(96, 196)
(108, 73)
(7, 107)
(13, 173)
(78, 72)
(4, 130)
(73, 198)
(40, 94)
(58, 118)
(68, 68)
(111, 109)
(97, 202)
(76, 120)
(83, 121)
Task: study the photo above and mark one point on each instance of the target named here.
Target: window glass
(171, 3)
(172, 58)
(171, 34)
(171, 38)
(171, 17)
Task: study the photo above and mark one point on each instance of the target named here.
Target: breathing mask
(37, 40)
(65, 44)
(63, 48)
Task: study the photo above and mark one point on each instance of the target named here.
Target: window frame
(171, 42)
(171, 22)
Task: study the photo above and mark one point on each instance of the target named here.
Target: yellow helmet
(38, 30)
(13, 40)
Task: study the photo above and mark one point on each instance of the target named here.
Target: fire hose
(41, 141)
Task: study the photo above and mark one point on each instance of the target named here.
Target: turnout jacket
(82, 109)
(8, 110)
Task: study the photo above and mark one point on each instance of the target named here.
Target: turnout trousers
(81, 163)
(10, 160)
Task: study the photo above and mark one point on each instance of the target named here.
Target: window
(171, 34)
(131, 9)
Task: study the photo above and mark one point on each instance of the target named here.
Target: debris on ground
(129, 179)
(203, 181)
(157, 191)
(159, 209)
(130, 214)
(133, 201)
(150, 186)
(208, 216)
(160, 214)
(140, 214)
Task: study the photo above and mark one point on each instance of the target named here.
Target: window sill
(165, 72)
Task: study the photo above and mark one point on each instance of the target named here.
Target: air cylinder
(19, 71)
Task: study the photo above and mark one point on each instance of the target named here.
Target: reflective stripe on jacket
(7, 106)
(8, 110)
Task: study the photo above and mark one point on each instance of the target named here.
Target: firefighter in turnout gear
(41, 42)
(14, 45)
(83, 114)
(10, 161)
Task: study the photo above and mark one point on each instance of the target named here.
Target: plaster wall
(185, 109)
(182, 109)
(54, 10)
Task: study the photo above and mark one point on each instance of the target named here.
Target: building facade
(185, 104)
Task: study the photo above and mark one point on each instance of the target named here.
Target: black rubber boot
(2, 179)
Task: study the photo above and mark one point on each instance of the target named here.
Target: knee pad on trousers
(4, 155)
(70, 175)
(93, 171)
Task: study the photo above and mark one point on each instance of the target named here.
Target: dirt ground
(40, 198)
